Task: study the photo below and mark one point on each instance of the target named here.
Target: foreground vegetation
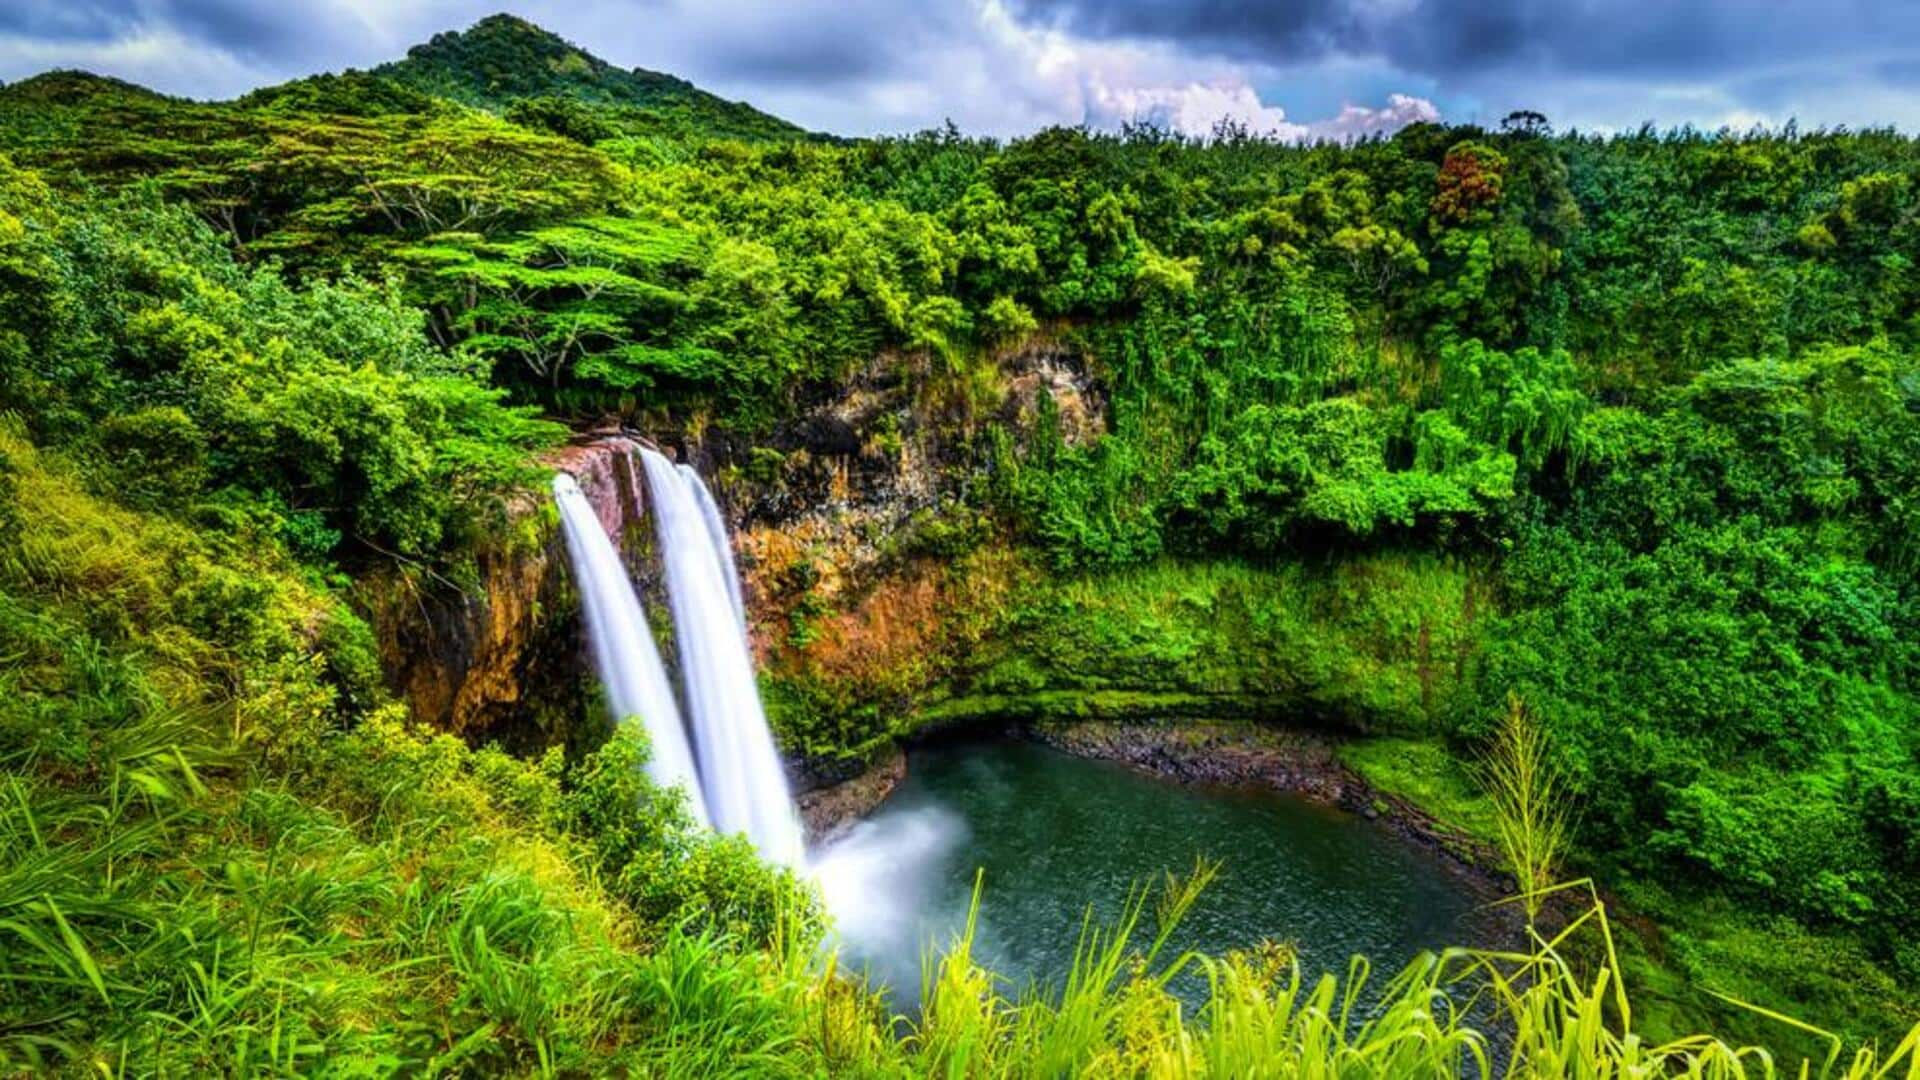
(1376, 436)
(213, 860)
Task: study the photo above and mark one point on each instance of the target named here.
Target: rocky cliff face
(501, 658)
(838, 507)
(830, 512)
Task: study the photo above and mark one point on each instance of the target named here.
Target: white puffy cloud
(1192, 109)
(1353, 121)
(1197, 108)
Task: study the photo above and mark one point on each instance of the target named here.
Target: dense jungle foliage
(1649, 401)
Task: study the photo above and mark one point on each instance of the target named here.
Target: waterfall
(717, 532)
(623, 651)
(745, 786)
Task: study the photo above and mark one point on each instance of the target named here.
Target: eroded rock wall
(499, 657)
(842, 515)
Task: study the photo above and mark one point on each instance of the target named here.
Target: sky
(1294, 68)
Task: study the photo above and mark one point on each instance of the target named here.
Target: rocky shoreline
(826, 812)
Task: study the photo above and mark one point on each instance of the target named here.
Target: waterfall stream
(741, 775)
(624, 654)
(739, 785)
(717, 532)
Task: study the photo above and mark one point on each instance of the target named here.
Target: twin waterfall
(731, 772)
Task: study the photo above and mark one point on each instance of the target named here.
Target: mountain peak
(69, 87)
(503, 59)
(503, 37)
(506, 22)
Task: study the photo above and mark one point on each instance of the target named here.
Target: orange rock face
(500, 656)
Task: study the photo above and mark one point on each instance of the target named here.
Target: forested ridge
(1651, 400)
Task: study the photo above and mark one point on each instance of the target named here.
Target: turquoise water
(1052, 834)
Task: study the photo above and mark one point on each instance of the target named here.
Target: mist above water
(1052, 836)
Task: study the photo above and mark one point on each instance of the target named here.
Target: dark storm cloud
(1443, 36)
(1458, 38)
(244, 28)
(50, 20)
(1288, 30)
(837, 46)
(831, 57)
(834, 44)
(249, 28)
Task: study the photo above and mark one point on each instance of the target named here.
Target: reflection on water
(1053, 834)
